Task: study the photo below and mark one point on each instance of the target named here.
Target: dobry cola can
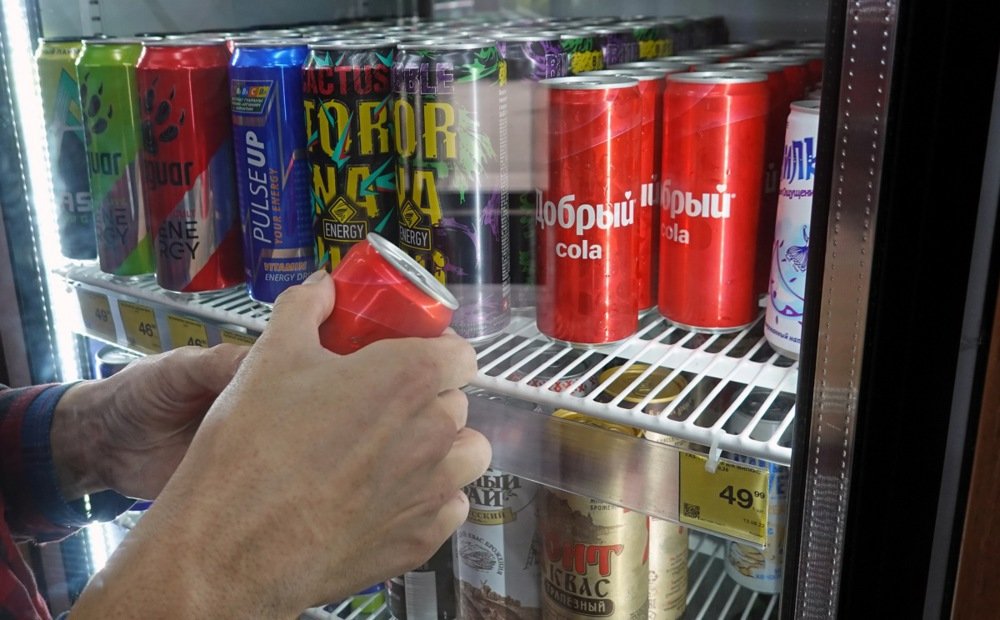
(347, 87)
(187, 163)
(790, 254)
(530, 58)
(713, 156)
(106, 72)
(383, 293)
(265, 89)
(585, 218)
(428, 591)
(795, 70)
(668, 541)
(67, 151)
(753, 568)
(450, 119)
(651, 83)
(496, 555)
(594, 554)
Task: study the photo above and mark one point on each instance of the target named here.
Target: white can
(790, 253)
(496, 558)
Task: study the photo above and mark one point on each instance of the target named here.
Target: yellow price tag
(187, 332)
(140, 326)
(96, 312)
(237, 337)
(731, 502)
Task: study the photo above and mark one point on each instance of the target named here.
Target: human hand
(128, 432)
(313, 476)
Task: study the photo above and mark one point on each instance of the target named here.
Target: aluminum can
(347, 89)
(618, 43)
(566, 370)
(585, 50)
(653, 36)
(813, 57)
(795, 69)
(715, 124)
(651, 84)
(110, 360)
(496, 551)
(450, 117)
(594, 554)
(426, 592)
(586, 213)
(383, 293)
(67, 151)
(664, 65)
(790, 253)
(265, 91)
(753, 568)
(187, 163)
(668, 541)
(106, 73)
(682, 33)
(530, 58)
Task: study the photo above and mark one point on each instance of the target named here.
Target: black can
(450, 118)
(347, 93)
(427, 591)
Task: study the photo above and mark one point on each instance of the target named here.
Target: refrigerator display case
(873, 429)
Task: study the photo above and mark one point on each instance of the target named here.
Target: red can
(383, 293)
(651, 84)
(795, 69)
(813, 58)
(187, 164)
(585, 217)
(713, 157)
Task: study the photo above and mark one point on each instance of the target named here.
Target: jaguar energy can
(586, 214)
(347, 90)
(790, 254)
(594, 554)
(450, 118)
(106, 73)
(618, 43)
(713, 157)
(652, 36)
(496, 554)
(651, 83)
(584, 50)
(67, 150)
(269, 144)
(187, 163)
(530, 58)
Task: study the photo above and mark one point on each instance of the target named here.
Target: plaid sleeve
(34, 506)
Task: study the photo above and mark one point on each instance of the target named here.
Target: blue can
(272, 170)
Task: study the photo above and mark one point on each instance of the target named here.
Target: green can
(56, 63)
(109, 97)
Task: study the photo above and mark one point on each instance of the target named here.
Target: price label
(140, 326)
(187, 332)
(732, 501)
(237, 337)
(96, 310)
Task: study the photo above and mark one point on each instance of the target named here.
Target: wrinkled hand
(139, 422)
(313, 476)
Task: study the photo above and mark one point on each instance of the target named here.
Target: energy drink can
(450, 117)
(496, 555)
(187, 164)
(584, 50)
(265, 89)
(790, 254)
(106, 73)
(530, 58)
(618, 43)
(713, 157)
(586, 214)
(347, 90)
(653, 37)
(63, 113)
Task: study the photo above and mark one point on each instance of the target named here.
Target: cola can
(651, 83)
(795, 69)
(496, 550)
(585, 217)
(450, 119)
(188, 164)
(790, 253)
(381, 292)
(347, 94)
(715, 125)
(594, 554)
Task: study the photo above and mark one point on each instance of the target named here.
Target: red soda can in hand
(383, 293)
